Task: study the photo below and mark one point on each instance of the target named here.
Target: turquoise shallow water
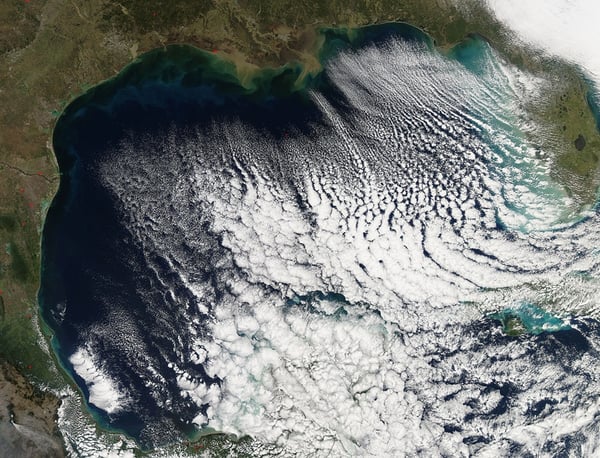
(83, 241)
(534, 320)
(97, 273)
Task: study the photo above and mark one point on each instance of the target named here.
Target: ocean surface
(371, 260)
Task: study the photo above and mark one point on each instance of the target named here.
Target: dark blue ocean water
(91, 267)
(90, 263)
(95, 272)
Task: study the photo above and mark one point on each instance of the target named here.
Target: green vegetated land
(53, 50)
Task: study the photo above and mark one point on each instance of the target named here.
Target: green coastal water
(186, 85)
(180, 84)
(185, 66)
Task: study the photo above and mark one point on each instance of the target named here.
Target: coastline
(216, 69)
(289, 80)
(62, 95)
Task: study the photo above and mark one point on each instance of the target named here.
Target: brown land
(52, 50)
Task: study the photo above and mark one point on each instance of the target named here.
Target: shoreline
(258, 83)
(61, 28)
(248, 81)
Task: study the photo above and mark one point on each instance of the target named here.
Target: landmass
(27, 417)
(51, 51)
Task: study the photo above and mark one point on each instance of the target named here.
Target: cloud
(565, 28)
